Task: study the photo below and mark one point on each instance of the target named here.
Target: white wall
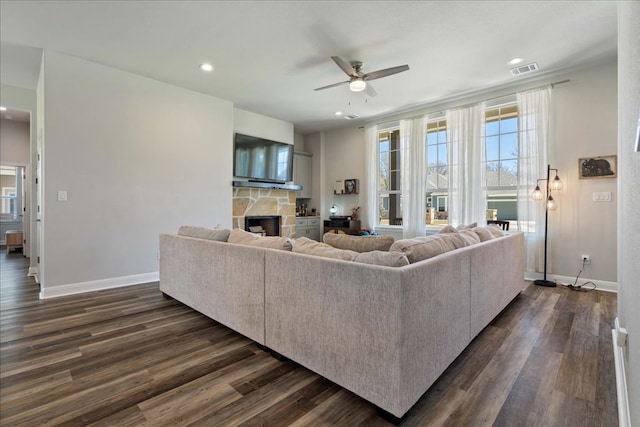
(629, 195)
(345, 159)
(137, 157)
(261, 126)
(585, 124)
(14, 142)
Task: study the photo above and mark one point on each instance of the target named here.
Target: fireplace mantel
(272, 185)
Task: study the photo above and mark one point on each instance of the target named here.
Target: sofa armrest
(221, 280)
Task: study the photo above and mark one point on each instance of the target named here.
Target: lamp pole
(544, 281)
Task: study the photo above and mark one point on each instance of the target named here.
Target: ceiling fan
(358, 80)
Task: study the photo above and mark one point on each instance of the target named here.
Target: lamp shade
(551, 204)
(357, 85)
(556, 184)
(537, 193)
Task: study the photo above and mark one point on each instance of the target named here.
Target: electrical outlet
(585, 259)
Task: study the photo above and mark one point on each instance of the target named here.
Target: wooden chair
(502, 224)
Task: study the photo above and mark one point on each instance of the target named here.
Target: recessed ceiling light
(515, 61)
(206, 67)
(3, 108)
(338, 113)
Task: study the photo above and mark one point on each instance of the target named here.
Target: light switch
(62, 195)
(602, 196)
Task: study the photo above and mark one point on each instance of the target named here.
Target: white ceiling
(270, 55)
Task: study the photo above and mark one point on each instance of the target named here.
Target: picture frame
(350, 186)
(598, 167)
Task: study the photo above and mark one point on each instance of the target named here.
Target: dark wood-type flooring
(130, 357)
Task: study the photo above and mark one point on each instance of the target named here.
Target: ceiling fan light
(357, 85)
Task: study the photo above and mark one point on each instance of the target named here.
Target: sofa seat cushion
(358, 243)
(241, 237)
(304, 245)
(217, 234)
(384, 258)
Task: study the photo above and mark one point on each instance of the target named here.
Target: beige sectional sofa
(384, 333)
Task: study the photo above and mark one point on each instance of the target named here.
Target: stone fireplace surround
(265, 202)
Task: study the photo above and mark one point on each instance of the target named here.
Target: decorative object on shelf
(338, 187)
(333, 210)
(355, 212)
(597, 167)
(550, 204)
(351, 186)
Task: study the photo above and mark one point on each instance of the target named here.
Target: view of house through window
(437, 184)
(10, 190)
(389, 194)
(501, 166)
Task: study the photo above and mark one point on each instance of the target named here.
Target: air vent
(352, 116)
(525, 69)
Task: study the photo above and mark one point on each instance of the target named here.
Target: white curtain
(413, 175)
(533, 125)
(369, 218)
(467, 195)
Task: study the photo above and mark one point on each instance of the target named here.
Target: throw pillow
(448, 229)
(304, 245)
(218, 234)
(495, 230)
(483, 233)
(358, 243)
(384, 258)
(241, 237)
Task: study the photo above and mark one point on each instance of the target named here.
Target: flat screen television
(261, 159)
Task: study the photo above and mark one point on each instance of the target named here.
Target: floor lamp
(550, 205)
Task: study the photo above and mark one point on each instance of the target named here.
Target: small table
(13, 240)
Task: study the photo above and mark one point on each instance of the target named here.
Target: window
(501, 165)
(437, 184)
(10, 200)
(389, 193)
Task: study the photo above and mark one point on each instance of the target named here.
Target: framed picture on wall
(350, 186)
(598, 167)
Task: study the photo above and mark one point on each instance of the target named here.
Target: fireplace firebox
(268, 225)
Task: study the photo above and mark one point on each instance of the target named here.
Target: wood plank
(129, 357)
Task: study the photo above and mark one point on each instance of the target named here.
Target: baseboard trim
(602, 285)
(98, 285)
(624, 414)
(33, 271)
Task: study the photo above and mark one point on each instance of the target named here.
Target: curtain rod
(551, 85)
(490, 99)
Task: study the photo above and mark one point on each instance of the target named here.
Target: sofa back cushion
(241, 237)
(421, 248)
(358, 243)
(470, 237)
(304, 245)
(217, 234)
(384, 258)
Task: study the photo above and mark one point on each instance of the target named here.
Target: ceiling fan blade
(369, 90)
(345, 66)
(333, 85)
(386, 72)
